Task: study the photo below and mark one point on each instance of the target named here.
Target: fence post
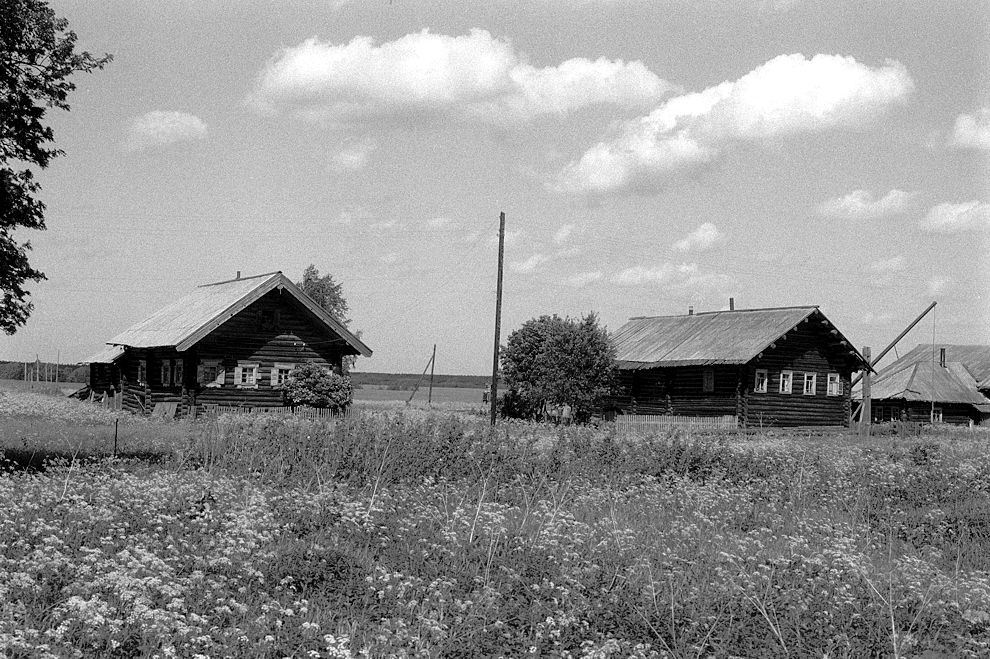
(115, 422)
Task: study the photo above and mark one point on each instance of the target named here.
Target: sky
(649, 156)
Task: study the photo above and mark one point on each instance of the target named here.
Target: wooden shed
(227, 343)
(934, 383)
(787, 366)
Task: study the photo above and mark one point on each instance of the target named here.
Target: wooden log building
(787, 366)
(934, 384)
(227, 343)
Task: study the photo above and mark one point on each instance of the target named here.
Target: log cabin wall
(920, 411)
(679, 391)
(805, 350)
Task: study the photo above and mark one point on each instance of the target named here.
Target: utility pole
(498, 313)
(433, 365)
(866, 415)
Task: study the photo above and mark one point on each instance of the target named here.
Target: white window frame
(789, 377)
(813, 379)
(936, 415)
(278, 366)
(834, 385)
(218, 380)
(708, 380)
(766, 381)
(246, 375)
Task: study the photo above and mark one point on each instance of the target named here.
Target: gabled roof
(195, 315)
(918, 376)
(108, 355)
(717, 337)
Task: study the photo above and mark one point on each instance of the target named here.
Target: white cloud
(563, 233)
(583, 278)
(355, 215)
(353, 156)
(972, 131)
(470, 77)
(789, 95)
(862, 205)
(659, 274)
(700, 239)
(530, 264)
(952, 218)
(390, 258)
(438, 222)
(159, 127)
(893, 264)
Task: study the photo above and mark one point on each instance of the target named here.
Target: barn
(226, 343)
(945, 383)
(785, 366)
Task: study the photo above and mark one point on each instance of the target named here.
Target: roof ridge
(710, 313)
(230, 281)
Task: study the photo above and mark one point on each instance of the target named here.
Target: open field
(460, 395)
(408, 532)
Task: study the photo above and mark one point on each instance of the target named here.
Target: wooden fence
(656, 423)
(306, 412)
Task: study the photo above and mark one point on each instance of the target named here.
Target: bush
(317, 386)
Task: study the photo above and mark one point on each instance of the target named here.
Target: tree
(327, 293)
(558, 361)
(37, 56)
(317, 386)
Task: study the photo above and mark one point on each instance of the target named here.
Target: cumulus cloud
(893, 264)
(674, 277)
(700, 239)
(530, 264)
(952, 218)
(438, 222)
(160, 127)
(353, 156)
(789, 95)
(563, 233)
(972, 131)
(471, 77)
(863, 205)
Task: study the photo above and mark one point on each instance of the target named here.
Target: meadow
(422, 532)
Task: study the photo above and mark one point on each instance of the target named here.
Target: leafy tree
(317, 386)
(557, 361)
(37, 56)
(327, 293)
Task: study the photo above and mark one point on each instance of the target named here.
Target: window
(708, 380)
(246, 375)
(142, 374)
(177, 373)
(937, 415)
(268, 319)
(760, 386)
(211, 373)
(810, 383)
(280, 373)
(834, 385)
(166, 373)
(786, 381)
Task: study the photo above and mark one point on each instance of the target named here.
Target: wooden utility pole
(433, 365)
(866, 413)
(498, 314)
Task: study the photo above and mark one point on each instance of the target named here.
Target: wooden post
(498, 315)
(433, 364)
(866, 413)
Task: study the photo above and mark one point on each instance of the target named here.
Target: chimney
(732, 304)
(690, 311)
(238, 275)
(941, 357)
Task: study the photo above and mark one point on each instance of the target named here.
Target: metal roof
(918, 376)
(198, 313)
(717, 337)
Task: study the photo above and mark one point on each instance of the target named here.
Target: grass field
(413, 532)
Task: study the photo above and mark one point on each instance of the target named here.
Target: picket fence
(654, 423)
(305, 412)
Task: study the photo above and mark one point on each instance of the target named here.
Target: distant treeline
(46, 371)
(408, 380)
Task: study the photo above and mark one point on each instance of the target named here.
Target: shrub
(317, 386)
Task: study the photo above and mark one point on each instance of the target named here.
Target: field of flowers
(417, 533)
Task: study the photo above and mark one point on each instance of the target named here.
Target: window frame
(276, 367)
(142, 371)
(814, 384)
(166, 373)
(766, 381)
(708, 381)
(836, 379)
(178, 373)
(239, 373)
(219, 378)
(790, 382)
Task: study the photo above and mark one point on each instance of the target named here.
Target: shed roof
(198, 313)
(107, 355)
(918, 376)
(709, 338)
